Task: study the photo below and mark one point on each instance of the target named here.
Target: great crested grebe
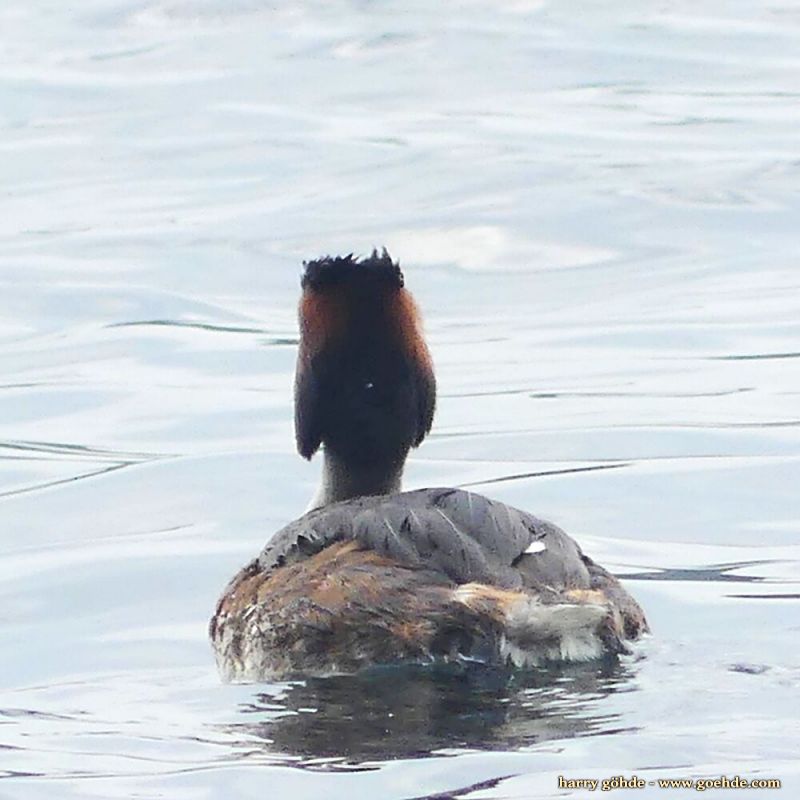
(372, 575)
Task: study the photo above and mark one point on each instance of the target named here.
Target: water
(596, 205)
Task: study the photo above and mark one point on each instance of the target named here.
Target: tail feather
(569, 626)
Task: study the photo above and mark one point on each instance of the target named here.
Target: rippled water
(596, 205)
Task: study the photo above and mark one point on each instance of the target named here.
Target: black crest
(378, 269)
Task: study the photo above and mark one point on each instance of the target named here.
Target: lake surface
(597, 207)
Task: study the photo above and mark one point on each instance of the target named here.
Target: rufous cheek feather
(405, 317)
(322, 318)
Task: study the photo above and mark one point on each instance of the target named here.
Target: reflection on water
(402, 713)
(596, 205)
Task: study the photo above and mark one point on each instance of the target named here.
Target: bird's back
(492, 581)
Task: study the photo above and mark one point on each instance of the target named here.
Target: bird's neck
(343, 481)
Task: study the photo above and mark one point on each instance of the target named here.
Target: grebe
(372, 575)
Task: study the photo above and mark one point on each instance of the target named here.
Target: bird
(371, 575)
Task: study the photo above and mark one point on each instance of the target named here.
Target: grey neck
(341, 481)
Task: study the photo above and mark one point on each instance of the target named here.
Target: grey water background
(597, 207)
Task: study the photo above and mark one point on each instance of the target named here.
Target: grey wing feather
(465, 536)
(560, 565)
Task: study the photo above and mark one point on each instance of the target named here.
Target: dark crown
(328, 271)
